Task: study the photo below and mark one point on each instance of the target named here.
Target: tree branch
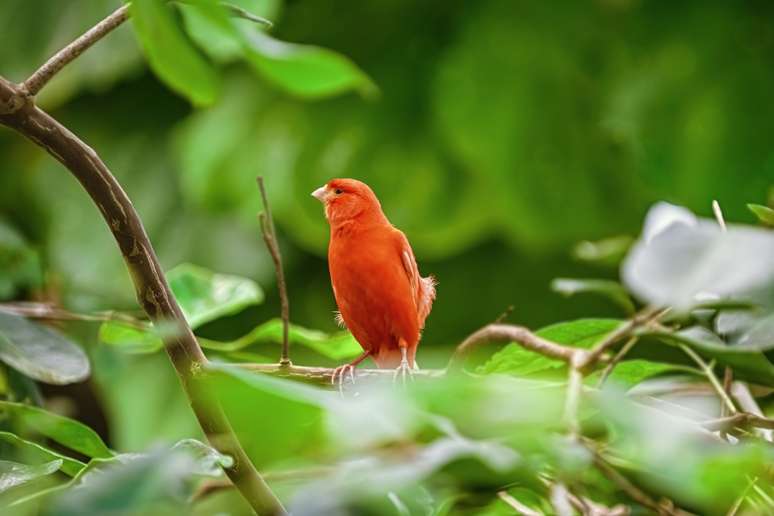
(509, 333)
(623, 331)
(323, 375)
(152, 289)
(270, 238)
(42, 75)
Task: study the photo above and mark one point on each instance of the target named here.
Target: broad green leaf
(40, 352)
(337, 346)
(679, 262)
(129, 338)
(608, 288)
(296, 427)
(30, 452)
(13, 474)
(65, 431)
(170, 54)
(305, 70)
(205, 295)
(629, 373)
(749, 364)
(764, 213)
(208, 24)
(514, 359)
(142, 483)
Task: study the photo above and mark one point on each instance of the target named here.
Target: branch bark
(18, 112)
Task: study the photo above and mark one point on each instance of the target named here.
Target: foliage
(499, 135)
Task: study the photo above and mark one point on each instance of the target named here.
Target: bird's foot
(403, 370)
(341, 372)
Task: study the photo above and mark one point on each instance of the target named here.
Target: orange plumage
(382, 299)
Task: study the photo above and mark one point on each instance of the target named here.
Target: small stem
(516, 505)
(718, 214)
(616, 359)
(744, 397)
(270, 238)
(574, 387)
(42, 75)
(711, 377)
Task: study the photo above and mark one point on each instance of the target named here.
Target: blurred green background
(504, 132)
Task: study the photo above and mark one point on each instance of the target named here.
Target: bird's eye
(338, 191)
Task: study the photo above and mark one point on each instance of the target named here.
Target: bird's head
(348, 199)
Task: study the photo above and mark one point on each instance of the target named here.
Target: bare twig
(18, 112)
(718, 214)
(711, 377)
(503, 316)
(45, 311)
(616, 359)
(237, 11)
(509, 333)
(741, 393)
(663, 506)
(740, 419)
(516, 505)
(270, 238)
(560, 499)
(42, 75)
(644, 317)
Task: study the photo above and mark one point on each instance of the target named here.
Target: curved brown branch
(152, 289)
(58, 61)
(509, 333)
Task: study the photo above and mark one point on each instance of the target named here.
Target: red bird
(381, 297)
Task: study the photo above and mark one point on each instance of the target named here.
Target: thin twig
(45, 311)
(741, 393)
(711, 377)
(740, 419)
(42, 75)
(516, 505)
(270, 238)
(718, 214)
(728, 373)
(237, 11)
(503, 316)
(643, 318)
(635, 493)
(322, 375)
(616, 359)
(560, 500)
(509, 333)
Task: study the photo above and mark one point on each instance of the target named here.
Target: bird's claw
(341, 372)
(404, 370)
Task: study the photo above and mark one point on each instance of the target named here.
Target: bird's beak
(320, 193)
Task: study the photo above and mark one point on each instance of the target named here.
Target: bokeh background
(504, 133)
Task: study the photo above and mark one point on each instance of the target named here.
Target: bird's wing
(422, 288)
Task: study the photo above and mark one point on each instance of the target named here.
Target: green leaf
(208, 460)
(296, 428)
(305, 70)
(65, 431)
(13, 474)
(144, 483)
(40, 352)
(608, 288)
(129, 338)
(764, 213)
(749, 364)
(170, 54)
(337, 346)
(629, 373)
(28, 451)
(514, 359)
(205, 295)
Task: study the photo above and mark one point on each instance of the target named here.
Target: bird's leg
(403, 369)
(342, 371)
